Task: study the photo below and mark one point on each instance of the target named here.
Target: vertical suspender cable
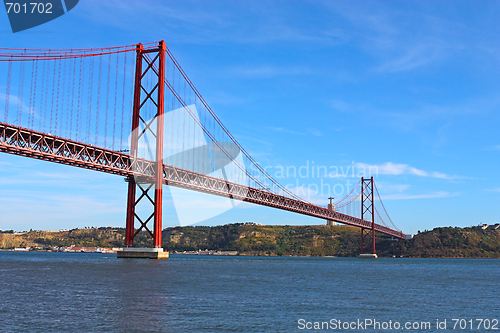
(53, 95)
(123, 97)
(184, 136)
(42, 95)
(107, 102)
(47, 89)
(67, 110)
(34, 95)
(30, 109)
(59, 83)
(7, 92)
(116, 98)
(195, 144)
(20, 93)
(91, 85)
(131, 103)
(57, 98)
(72, 93)
(98, 100)
(165, 103)
(80, 93)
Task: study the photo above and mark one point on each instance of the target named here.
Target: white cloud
(340, 105)
(283, 130)
(396, 169)
(268, 71)
(494, 148)
(420, 116)
(310, 131)
(392, 187)
(417, 56)
(432, 195)
(390, 34)
(314, 132)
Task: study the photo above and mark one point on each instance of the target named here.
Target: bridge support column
(150, 63)
(331, 206)
(367, 212)
(362, 241)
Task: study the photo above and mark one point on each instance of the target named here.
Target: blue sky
(410, 87)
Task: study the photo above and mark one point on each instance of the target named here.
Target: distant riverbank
(266, 240)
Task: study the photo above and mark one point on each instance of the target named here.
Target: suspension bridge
(132, 111)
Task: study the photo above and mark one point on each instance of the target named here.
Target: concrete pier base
(142, 252)
(368, 255)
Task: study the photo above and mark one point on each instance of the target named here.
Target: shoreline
(253, 255)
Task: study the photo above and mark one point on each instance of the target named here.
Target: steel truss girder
(24, 142)
(33, 144)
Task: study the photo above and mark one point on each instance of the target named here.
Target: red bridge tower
(147, 96)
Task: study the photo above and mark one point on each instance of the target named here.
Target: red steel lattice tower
(144, 97)
(367, 210)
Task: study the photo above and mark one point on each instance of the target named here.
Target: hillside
(105, 237)
(251, 239)
(472, 242)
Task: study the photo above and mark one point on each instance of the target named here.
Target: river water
(73, 292)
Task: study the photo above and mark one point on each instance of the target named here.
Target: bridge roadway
(29, 143)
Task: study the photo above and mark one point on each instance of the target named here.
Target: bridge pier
(142, 253)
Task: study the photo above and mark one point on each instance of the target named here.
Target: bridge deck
(43, 146)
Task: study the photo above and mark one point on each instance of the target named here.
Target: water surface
(54, 292)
